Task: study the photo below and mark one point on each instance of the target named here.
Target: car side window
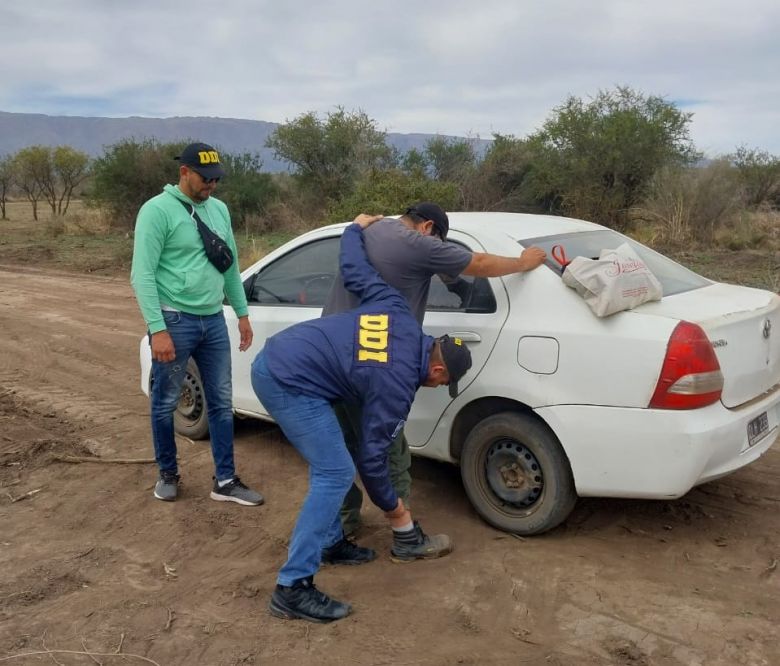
(303, 277)
(463, 294)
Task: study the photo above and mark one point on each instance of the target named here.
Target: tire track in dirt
(68, 343)
(622, 582)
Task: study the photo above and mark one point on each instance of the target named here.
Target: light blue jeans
(312, 428)
(205, 339)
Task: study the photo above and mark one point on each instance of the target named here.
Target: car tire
(516, 474)
(190, 418)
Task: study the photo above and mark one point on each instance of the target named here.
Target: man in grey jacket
(407, 253)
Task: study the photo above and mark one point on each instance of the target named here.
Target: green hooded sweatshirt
(170, 266)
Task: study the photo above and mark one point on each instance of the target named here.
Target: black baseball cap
(202, 158)
(433, 212)
(457, 358)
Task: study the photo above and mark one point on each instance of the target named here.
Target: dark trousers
(350, 417)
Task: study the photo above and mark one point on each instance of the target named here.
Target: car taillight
(690, 376)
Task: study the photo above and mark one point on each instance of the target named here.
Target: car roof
(517, 226)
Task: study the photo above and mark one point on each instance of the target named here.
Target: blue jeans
(205, 339)
(312, 428)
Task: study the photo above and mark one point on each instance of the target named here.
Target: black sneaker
(167, 487)
(304, 601)
(347, 551)
(236, 491)
(417, 545)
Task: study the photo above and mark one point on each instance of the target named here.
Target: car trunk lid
(743, 325)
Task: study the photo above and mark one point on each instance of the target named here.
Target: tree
(391, 192)
(595, 159)
(131, 172)
(330, 155)
(500, 181)
(414, 163)
(71, 167)
(6, 183)
(455, 161)
(450, 159)
(51, 174)
(245, 189)
(34, 175)
(759, 173)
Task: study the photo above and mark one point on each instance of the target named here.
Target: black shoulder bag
(217, 250)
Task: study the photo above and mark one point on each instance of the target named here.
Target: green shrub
(594, 160)
(390, 193)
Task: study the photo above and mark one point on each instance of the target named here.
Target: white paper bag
(617, 280)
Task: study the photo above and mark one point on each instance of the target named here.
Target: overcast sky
(468, 68)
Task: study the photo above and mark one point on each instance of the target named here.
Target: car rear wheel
(190, 418)
(516, 474)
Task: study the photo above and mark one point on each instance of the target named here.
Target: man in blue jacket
(376, 356)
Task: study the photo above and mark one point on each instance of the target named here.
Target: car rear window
(674, 277)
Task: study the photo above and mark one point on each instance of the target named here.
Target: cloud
(453, 67)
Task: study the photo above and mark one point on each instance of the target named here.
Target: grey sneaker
(235, 491)
(417, 545)
(167, 487)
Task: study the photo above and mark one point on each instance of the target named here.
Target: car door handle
(467, 336)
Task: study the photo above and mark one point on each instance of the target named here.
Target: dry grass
(262, 234)
(690, 204)
(82, 240)
(747, 230)
(254, 248)
(745, 252)
(752, 230)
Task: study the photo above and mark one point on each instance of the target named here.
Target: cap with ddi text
(202, 158)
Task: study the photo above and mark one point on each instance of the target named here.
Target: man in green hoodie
(180, 293)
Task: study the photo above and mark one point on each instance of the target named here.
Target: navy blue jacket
(375, 355)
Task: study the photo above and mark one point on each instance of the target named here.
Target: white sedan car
(559, 403)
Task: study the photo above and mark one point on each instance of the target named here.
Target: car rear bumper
(657, 454)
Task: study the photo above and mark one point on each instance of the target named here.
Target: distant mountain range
(93, 135)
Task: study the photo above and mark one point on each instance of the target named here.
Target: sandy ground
(89, 561)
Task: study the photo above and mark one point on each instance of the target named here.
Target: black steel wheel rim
(190, 401)
(513, 473)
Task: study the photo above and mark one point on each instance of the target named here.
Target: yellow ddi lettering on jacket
(208, 157)
(372, 338)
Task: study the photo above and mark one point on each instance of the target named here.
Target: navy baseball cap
(428, 210)
(457, 358)
(202, 158)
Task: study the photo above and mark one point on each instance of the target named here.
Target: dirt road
(89, 561)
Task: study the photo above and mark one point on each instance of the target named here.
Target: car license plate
(757, 428)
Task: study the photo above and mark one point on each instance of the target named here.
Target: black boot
(303, 600)
(347, 551)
